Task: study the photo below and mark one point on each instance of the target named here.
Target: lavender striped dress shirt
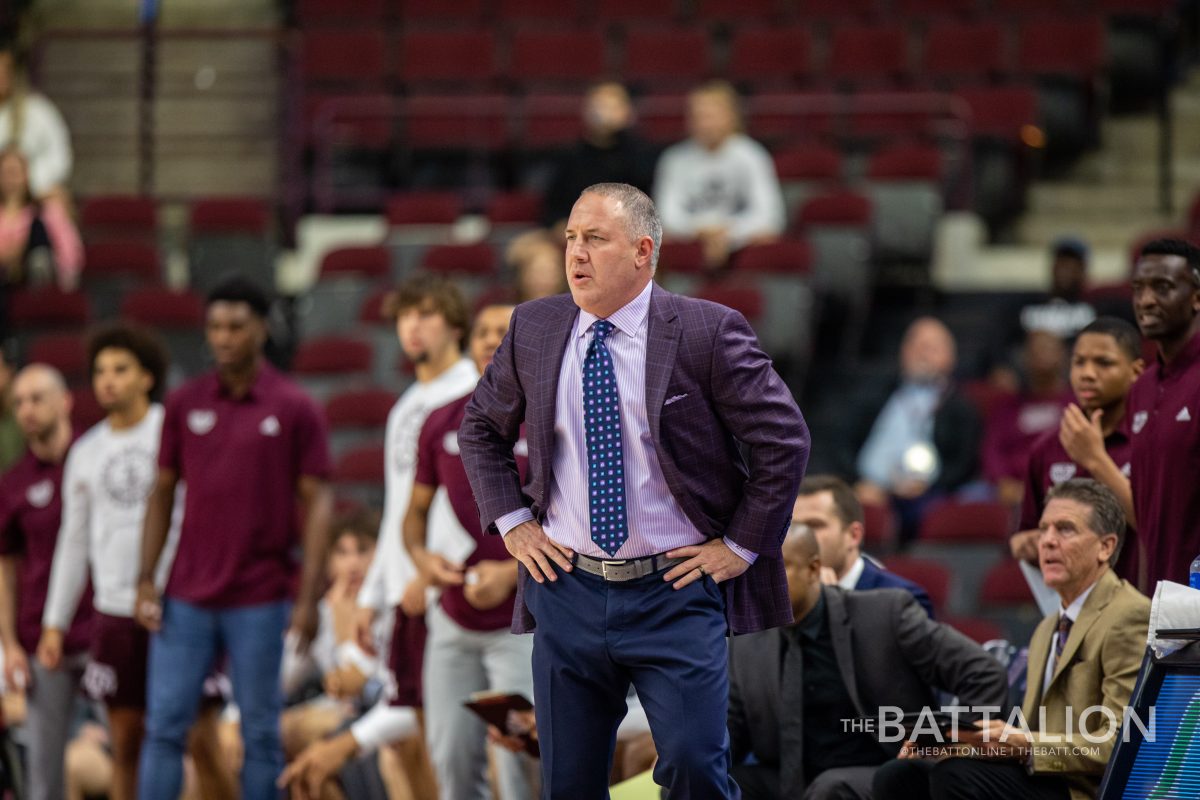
(656, 522)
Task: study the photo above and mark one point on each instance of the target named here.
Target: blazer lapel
(1092, 608)
(662, 341)
(839, 631)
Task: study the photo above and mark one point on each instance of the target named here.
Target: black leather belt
(626, 570)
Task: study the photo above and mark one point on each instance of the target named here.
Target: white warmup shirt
(392, 569)
(106, 481)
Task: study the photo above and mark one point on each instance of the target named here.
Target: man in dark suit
(793, 691)
(629, 391)
(828, 507)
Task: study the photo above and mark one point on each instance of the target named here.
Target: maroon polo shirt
(30, 516)
(1049, 465)
(439, 464)
(240, 459)
(1164, 421)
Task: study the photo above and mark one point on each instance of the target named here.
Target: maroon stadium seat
(119, 214)
(164, 308)
(1001, 112)
(359, 408)
(549, 120)
(516, 12)
(977, 630)
(363, 465)
(661, 117)
(48, 307)
(672, 56)
(879, 524)
(964, 51)
(373, 308)
(636, 12)
(424, 208)
(809, 162)
(837, 10)
(868, 54)
(737, 11)
(369, 263)
(682, 257)
(462, 57)
(746, 300)
(352, 57)
(66, 352)
(459, 13)
(786, 256)
(476, 122)
(1004, 585)
(906, 163)
(1072, 47)
(460, 259)
(933, 8)
(508, 208)
(841, 207)
(966, 522)
(85, 409)
(229, 215)
(332, 355)
(761, 55)
(541, 57)
(930, 575)
(127, 259)
(310, 13)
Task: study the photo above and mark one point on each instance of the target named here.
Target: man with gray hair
(1083, 656)
(30, 515)
(664, 456)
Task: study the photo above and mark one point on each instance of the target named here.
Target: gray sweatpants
(458, 662)
(51, 707)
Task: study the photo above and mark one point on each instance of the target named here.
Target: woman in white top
(108, 476)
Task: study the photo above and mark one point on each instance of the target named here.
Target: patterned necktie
(1064, 630)
(602, 426)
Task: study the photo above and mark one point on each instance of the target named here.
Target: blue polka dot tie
(602, 426)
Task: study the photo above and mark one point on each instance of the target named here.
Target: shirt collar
(1072, 611)
(266, 374)
(1189, 355)
(629, 319)
(850, 579)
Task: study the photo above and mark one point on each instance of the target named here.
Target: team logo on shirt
(128, 476)
(1125, 470)
(1062, 472)
(200, 421)
(450, 443)
(99, 681)
(1184, 415)
(40, 494)
(269, 426)
(1139, 420)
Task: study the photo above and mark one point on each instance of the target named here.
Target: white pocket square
(674, 399)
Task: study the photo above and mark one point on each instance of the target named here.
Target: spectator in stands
(1017, 420)
(610, 150)
(1086, 654)
(1163, 409)
(536, 261)
(920, 441)
(827, 506)
(469, 648)
(109, 473)
(350, 678)
(38, 240)
(12, 441)
(718, 186)
(30, 516)
(847, 655)
(252, 449)
(1063, 312)
(31, 122)
(1093, 438)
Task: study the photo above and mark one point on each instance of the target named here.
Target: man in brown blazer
(1087, 654)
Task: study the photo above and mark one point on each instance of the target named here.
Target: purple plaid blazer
(733, 457)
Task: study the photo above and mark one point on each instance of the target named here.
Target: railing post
(146, 95)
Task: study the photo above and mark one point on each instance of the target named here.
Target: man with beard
(1164, 409)
(30, 515)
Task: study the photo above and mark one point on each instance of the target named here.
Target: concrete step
(110, 14)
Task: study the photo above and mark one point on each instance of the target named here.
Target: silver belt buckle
(604, 565)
